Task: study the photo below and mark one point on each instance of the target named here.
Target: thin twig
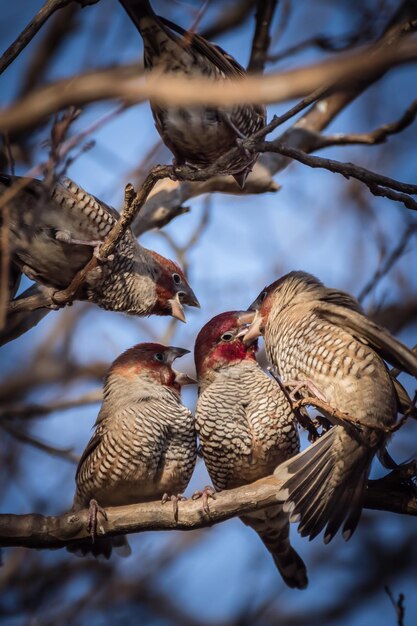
(337, 417)
(33, 27)
(398, 605)
(62, 453)
(29, 411)
(374, 137)
(389, 262)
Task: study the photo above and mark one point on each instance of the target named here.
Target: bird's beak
(177, 309)
(254, 330)
(189, 297)
(244, 318)
(183, 379)
(180, 377)
(175, 353)
(182, 297)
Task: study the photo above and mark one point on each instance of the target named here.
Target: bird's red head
(152, 360)
(219, 343)
(172, 289)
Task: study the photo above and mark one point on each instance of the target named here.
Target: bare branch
(62, 453)
(398, 606)
(377, 136)
(391, 259)
(33, 27)
(29, 411)
(182, 91)
(38, 531)
(261, 39)
(376, 182)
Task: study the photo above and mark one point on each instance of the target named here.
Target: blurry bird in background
(144, 444)
(53, 234)
(246, 427)
(195, 135)
(322, 343)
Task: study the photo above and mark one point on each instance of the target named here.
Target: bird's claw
(242, 148)
(205, 493)
(93, 511)
(295, 387)
(66, 237)
(174, 499)
(98, 256)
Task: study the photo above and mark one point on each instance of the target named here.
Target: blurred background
(231, 245)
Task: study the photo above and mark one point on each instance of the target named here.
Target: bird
(246, 427)
(144, 443)
(196, 135)
(55, 231)
(319, 339)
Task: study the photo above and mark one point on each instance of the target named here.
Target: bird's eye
(176, 278)
(159, 356)
(227, 337)
(263, 296)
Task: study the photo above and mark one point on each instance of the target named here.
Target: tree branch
(33, 27)
(38, 531)
(261, 39)
(377, 136)
(183, 91)
(377, 184)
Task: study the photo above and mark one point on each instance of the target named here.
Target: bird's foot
(93, 511)
(207, 492)
(244, 150)
(295, 387)
(174, 499)
(182, 169)
(66, 237)
(31, 273)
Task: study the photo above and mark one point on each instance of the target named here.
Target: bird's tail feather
(272, 526)
(137, 9)
(324, 484)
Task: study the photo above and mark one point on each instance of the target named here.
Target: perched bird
(195, 135)
(320, 340)
(246, 428)
(52, 236)
(144, 444)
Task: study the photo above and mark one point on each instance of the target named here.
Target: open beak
(177, 309)
(183, 379)
(182, 297)
(180, 377)
(254, 330)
